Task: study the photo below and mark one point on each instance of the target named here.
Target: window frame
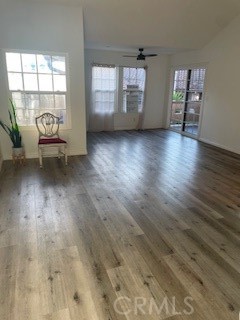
(170, 92)
(68, 123)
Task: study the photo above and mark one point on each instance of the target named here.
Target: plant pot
(17, 152)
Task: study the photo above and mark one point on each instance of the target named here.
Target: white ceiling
(167, 25)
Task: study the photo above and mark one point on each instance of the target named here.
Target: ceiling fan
(141, 55)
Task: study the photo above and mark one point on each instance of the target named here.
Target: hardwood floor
(145, 227)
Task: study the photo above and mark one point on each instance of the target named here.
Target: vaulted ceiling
(170, 25)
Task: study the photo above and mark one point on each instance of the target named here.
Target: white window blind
(103, 88)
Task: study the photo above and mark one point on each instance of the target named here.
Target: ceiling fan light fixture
(140, 57)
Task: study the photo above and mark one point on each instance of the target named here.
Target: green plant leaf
(14, 114)
(177, 96)
(13, 132)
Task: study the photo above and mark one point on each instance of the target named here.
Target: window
(38, 84)
(103, 88)
(133, 87)
(188, 85)
(130, 82)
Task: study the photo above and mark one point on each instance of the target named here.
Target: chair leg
(66, 155)
(40, 157)
(59, 153)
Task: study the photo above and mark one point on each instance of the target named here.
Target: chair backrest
(47, 125)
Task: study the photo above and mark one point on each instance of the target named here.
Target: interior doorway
(186, 101)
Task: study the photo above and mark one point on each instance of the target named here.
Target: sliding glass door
(187, 100)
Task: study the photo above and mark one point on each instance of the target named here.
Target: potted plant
(13, 131)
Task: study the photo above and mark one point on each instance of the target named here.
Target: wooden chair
(48, 127)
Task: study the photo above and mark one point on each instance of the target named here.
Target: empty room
(119, 160)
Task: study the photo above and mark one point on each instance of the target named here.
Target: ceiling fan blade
(141, 55)
(151, 55)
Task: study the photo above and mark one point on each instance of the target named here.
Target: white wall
(45, 27)
(155, 91)
(221, 113)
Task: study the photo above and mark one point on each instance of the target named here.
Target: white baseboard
(124, 128)
(80, 152)
(219, 145)
(34, 155)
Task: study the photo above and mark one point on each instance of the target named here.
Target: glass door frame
(185, 100)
